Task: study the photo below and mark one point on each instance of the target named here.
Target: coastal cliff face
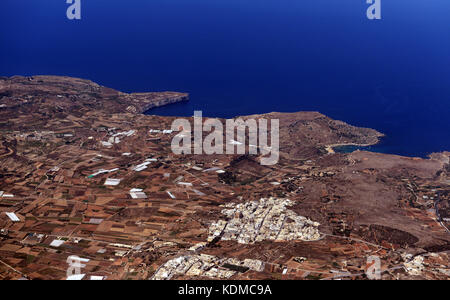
(50, 93)
(142, 102)
(62, 138)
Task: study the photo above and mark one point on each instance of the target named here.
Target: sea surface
(238, 57)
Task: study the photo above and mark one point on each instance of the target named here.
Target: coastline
(330, 148)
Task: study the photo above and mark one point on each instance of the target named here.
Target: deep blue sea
(238, 57)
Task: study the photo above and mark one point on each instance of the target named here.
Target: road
(438, 215)
(9, 151)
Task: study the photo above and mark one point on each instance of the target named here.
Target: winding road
(438, 215)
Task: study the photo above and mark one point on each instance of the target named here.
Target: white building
(112, 182)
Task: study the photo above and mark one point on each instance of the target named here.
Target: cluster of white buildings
(205, 266)
(414, 265)
(115, 138)
(266, 219)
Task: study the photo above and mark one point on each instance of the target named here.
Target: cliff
(47, 93)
